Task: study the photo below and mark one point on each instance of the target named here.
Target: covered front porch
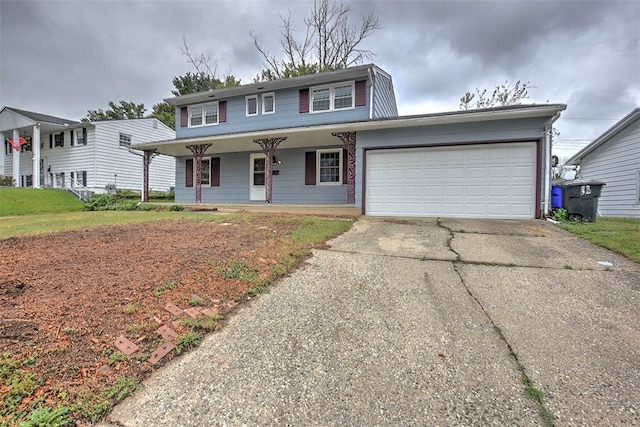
(313, 166)
(22, 132)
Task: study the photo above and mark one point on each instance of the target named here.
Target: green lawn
(620, 235)
(22, 201)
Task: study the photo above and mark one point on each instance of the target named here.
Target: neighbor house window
(268, 103)
(27, 146)
(58, 139)
(334, 97)
(203, 115)
(252, 105)
(125, 140)
(79, 136)
(329, 166)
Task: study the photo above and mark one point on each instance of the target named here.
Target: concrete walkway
(417, 323)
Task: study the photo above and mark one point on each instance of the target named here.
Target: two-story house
(86, 156)
(336, 138)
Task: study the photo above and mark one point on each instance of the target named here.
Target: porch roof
(14, 118)
(320, 135)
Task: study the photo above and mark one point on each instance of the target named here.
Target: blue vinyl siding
(286, 115)
(384, 98)
(288, 185)
(494, 131)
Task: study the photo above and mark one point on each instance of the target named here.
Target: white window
(203, 115)
(206, 171)
(252, 105)
(268, 103)
(334, 97)
(329, 167)
(80, 136)
(125, 140)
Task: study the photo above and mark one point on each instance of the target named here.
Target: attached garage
(495, 180)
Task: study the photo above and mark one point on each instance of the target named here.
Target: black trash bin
(580, 199)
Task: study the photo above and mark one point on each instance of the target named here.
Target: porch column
(35, 148)
(349, 141)
(269, 147)
(16, 159)
(198, 151)
(146, 161)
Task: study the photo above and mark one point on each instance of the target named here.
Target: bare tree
(502, 95)
(203, 64)
(330, 42)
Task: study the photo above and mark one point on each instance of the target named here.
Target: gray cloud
(65, 57)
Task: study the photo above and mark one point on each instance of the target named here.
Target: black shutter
(84, 136)
(215, 172)
(84, 178)
(184, 117)
(345, 169)
(50, 140)
(189, 173)
(310, 168)
(71, 132)
(304, 100)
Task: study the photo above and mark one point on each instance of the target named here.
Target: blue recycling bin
(556, 197)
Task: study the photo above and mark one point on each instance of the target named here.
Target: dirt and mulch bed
(88, 314)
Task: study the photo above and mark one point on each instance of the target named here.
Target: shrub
(6, 181)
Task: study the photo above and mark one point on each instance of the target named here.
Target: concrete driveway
(425, 322)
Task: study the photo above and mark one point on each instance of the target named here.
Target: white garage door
(471, 181)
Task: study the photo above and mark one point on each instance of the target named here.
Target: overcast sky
(65, 57)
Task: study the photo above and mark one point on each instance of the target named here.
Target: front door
(257, 191)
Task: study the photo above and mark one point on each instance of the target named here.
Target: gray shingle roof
(38, 117)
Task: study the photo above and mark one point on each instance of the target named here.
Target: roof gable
(606, 136)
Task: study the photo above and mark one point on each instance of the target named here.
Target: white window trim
(340, 166)
(120, 135)
(246, 105)
(204, 159)
(332, 97)
(273, 95)
(204, 108)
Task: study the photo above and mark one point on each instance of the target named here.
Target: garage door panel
(483, 181)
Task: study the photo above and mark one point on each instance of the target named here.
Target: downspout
(547, 172)
(548, 132)
(370, 94)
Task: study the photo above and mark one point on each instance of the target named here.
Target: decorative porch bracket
(349, 141)
(269, 146)
(198, 151)
(146, 160)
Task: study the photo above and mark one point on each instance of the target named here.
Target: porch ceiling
(244, 142)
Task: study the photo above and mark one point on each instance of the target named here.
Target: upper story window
(268, 103)
(333, 97)
(79, 136)
(125, 140)
(252, 105)
(203, 115)
(27, 146)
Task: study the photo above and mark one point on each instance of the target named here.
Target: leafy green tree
(166, 113)
(330, 42)
(124, 110)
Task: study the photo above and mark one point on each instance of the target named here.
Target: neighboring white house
(614, 158)
(74, 155)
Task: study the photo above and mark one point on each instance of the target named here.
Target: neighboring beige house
(81, 155)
